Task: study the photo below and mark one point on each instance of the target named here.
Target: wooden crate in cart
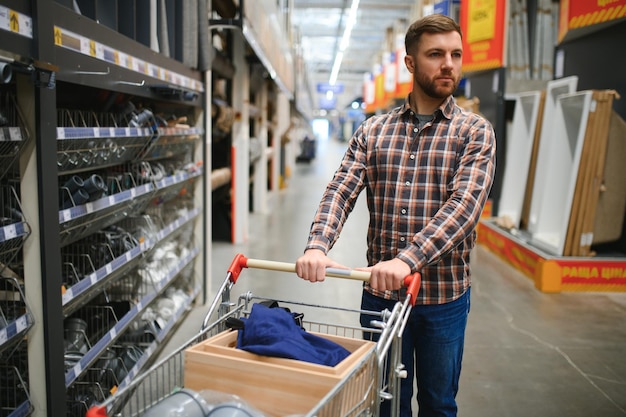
(280, 387)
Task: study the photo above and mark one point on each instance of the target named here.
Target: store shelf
(75, 295)
(16, 401)
(175, 226)
(15, 316)
(8, 233)
(80, 36)
(13, 136)
(78, 222)
(84, 148)
(553, 273)
(112, 335)
(80, 76)
(161, 337)
(16, 28)
(14, 331)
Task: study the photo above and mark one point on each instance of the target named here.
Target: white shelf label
(22, 324)
(66, 215)
(15, 22)
(78, 368)
(4, 17)
(15, 133)
(10, 232)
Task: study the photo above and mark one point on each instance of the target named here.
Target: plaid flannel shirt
(426, 188)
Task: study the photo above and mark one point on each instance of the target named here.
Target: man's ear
(410, 64)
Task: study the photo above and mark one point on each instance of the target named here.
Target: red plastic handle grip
(96, 411)
(239, 262)
(413, 283)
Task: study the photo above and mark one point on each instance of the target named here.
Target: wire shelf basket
(13, 134)
(15, 315)
(14, 230)
(14, 396)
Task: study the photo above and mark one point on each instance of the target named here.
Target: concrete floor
(527, 353)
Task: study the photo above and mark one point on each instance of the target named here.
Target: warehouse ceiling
(321, 25)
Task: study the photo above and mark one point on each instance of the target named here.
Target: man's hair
(434, 23)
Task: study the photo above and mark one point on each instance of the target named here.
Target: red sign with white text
(483, 23)
(576, 14)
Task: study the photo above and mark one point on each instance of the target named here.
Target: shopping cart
(374, 377)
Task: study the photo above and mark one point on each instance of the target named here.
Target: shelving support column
(206, 196)
(259, 203)
(282, 124)
(32, 253)
(49, 240)
(240, 153)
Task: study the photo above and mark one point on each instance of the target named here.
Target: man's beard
(430, 88)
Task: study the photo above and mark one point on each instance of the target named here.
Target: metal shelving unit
(104, 108)
(113, 182)
(16, 318)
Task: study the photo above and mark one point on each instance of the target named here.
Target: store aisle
(527, 353)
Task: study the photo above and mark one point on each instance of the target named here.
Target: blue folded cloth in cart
(273, 332)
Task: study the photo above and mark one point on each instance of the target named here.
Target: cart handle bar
(412, 282)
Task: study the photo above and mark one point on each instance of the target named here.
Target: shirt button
(412, 156)
(407, 183)
(403, 211)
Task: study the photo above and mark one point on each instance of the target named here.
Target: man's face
(436, 63)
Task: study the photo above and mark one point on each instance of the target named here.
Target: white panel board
(551, 218)
(553, 90)
(519, 147)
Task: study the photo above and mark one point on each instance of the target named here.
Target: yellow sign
(14, 21)
(58, 37)
(482, 20)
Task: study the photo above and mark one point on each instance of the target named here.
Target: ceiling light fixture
(345, 41)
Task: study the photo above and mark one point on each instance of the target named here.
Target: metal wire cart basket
(207, 372)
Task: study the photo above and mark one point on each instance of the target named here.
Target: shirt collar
(446, 108)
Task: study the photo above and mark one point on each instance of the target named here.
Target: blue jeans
(432, 350)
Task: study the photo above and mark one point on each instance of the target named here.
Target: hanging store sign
(404, 77)
(326, 87)
(448, 8)
(369, 92)
(389, 74)
(576, 14)
(483, 23)
(379, 86)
